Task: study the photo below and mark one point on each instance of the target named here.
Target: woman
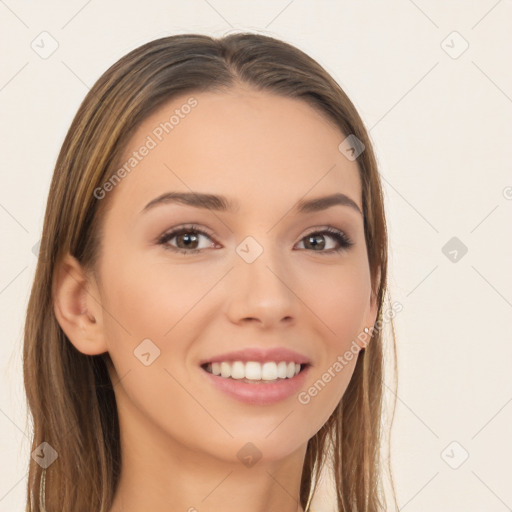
(204, 328)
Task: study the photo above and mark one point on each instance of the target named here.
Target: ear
(77, 307)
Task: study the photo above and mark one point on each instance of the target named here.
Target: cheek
(327, 385)
(156, 312)
(338, 295)
(147, 303)
(147, 299)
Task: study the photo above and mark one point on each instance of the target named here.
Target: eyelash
(343, 240)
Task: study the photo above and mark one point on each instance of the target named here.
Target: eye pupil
(190, 238)
(316, 244)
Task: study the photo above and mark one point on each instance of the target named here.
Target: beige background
(440, 119)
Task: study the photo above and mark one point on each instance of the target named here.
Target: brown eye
(316, 239)
(187, 239)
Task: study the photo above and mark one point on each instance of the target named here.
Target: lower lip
(259, 392)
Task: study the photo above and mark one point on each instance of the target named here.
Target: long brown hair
(70, 395)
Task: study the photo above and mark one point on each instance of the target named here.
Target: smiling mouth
(253, 372)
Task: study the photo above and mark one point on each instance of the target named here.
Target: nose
(262, 291)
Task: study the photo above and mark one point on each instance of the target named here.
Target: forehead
(255, 147)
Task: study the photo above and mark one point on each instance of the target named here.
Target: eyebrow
(223, 204)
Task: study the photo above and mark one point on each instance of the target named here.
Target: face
(260, 275)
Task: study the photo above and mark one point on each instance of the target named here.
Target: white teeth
(281, 370)
(253, 370)
(237, 370)
(269, 371)
(225, 369)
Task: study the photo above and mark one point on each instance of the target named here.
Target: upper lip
(259, 355)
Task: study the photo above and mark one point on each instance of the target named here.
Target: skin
(179, 434)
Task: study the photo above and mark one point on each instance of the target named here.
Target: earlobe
(76, 308)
